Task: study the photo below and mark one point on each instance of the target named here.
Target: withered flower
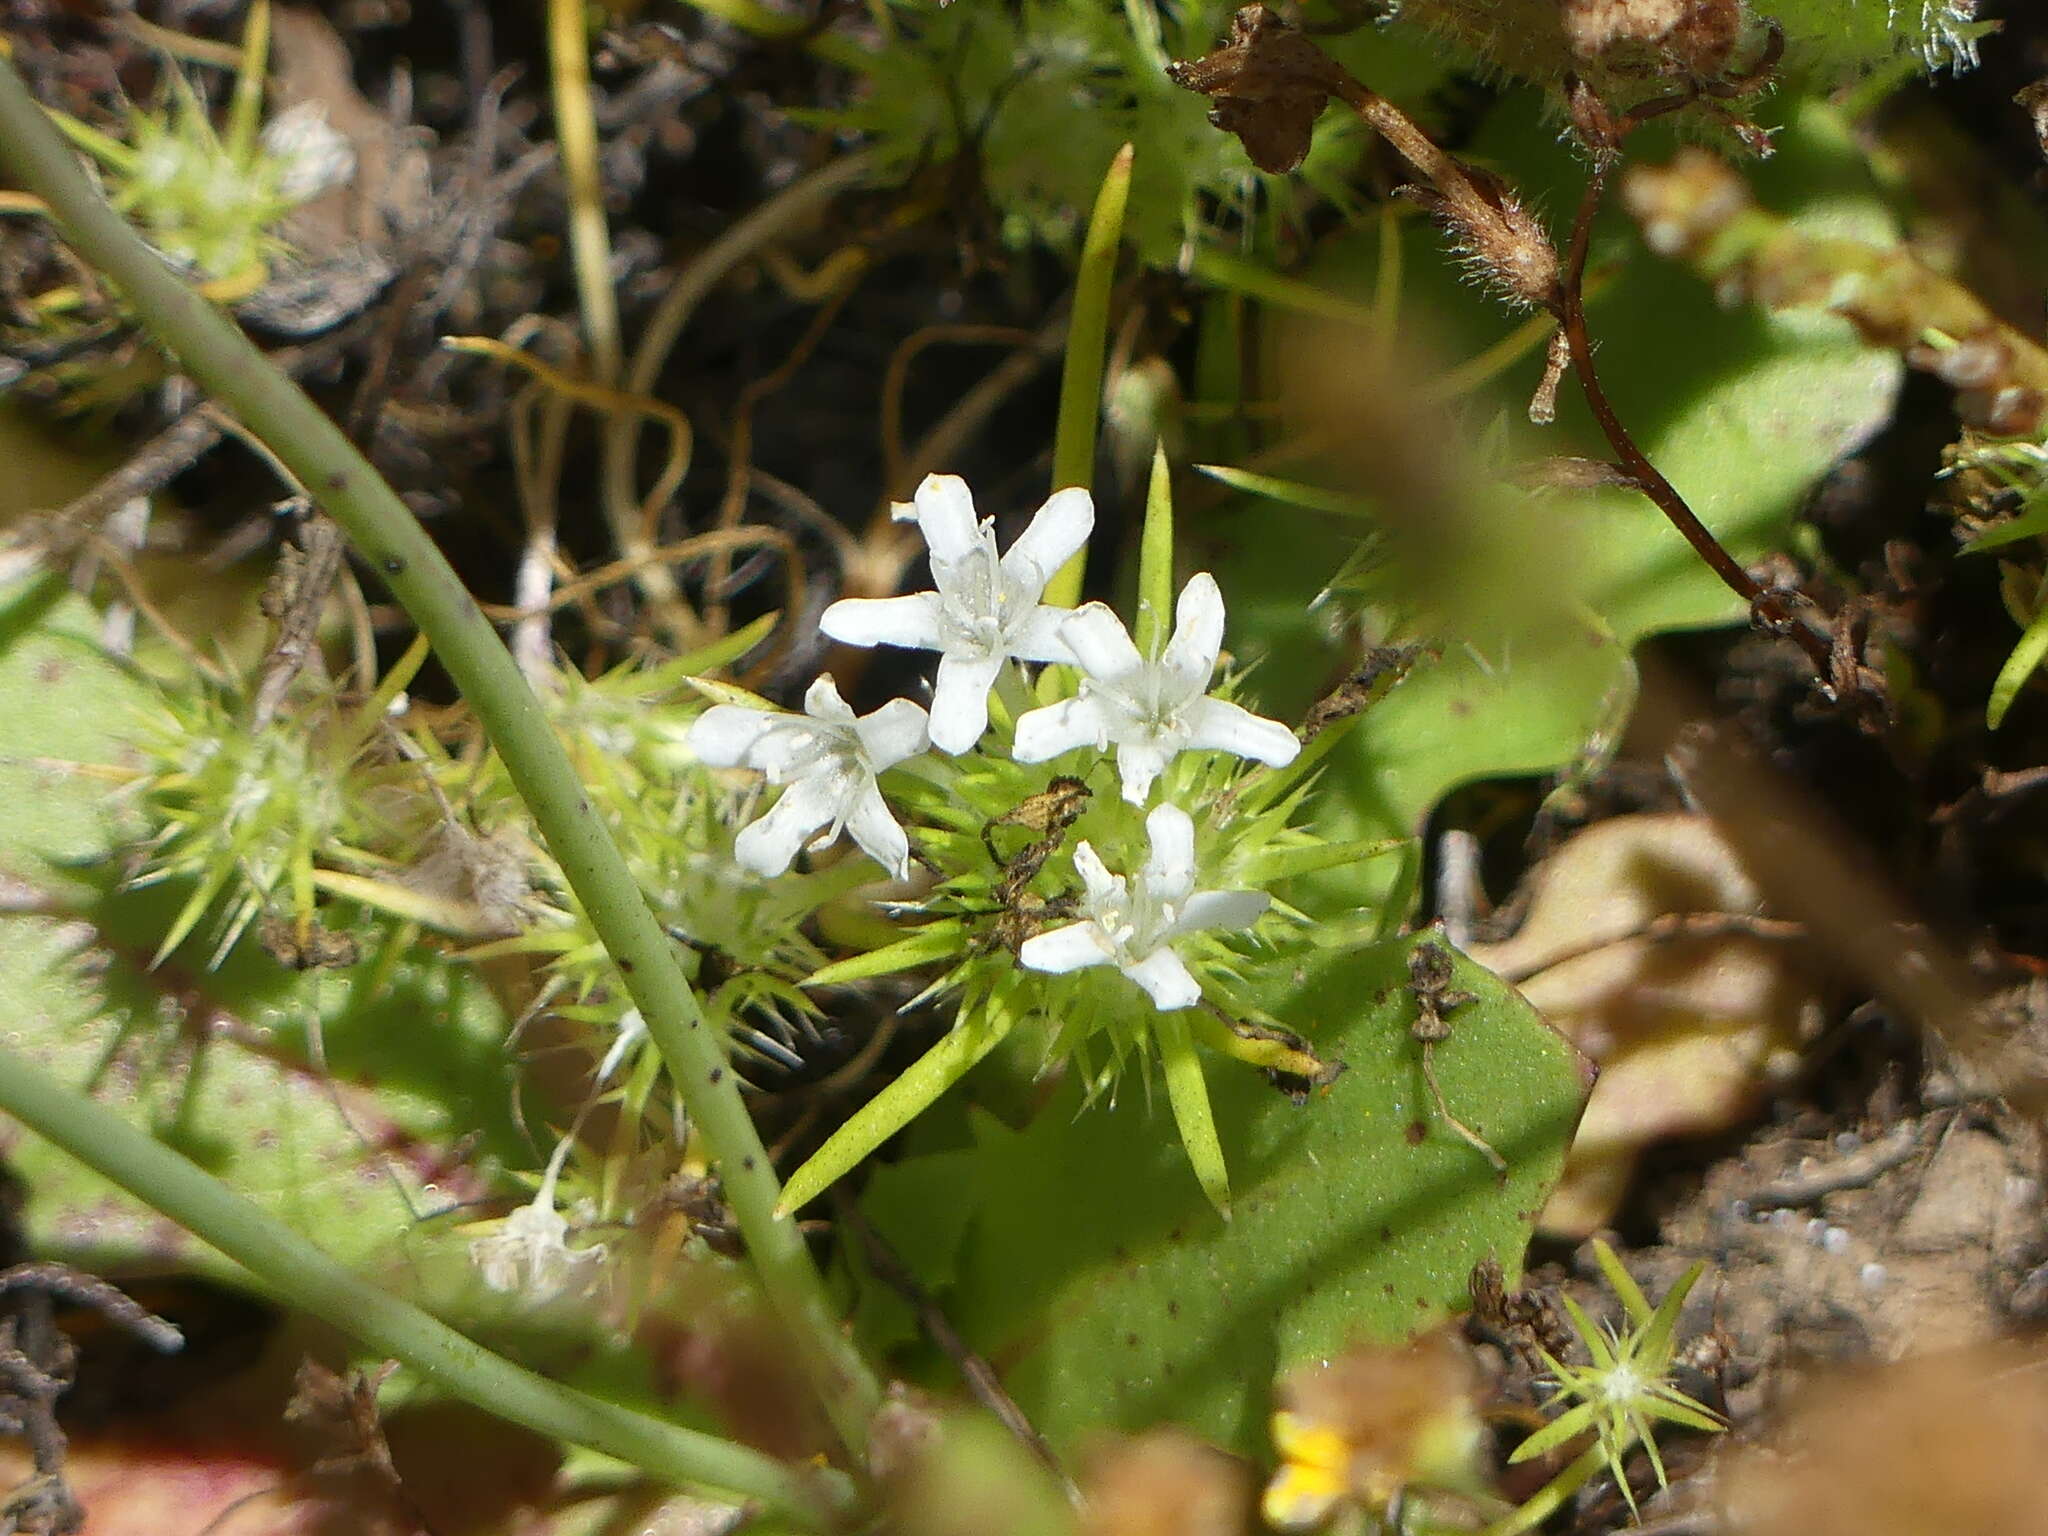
(1269, 85)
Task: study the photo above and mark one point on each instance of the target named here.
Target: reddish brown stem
(1770, 607)
(1270, 83)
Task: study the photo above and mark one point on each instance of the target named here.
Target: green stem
(590, 256)
(1549, 1499)
(245, 112)
(209, 347)
(290, 1266)
(1073, 441)
(590, 246)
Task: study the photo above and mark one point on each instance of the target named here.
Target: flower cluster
(1123, 898)
(986, 612)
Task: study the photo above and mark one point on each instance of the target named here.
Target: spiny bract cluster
(1116, 918)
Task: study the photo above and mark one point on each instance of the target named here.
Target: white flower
(311, 154)
(1135, 929)
(986, 608)
(1151, 710)
(828, 759)
(529, 1251)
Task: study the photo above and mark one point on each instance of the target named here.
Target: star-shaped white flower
(828, 760)
(986, 609)
(1134, 928)
(1151, 710)
(529, 1252)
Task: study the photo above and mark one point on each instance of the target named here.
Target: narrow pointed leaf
(890, 1110)
(1567, 1426)
(1188, 1092)
(1624, 1284)
(1285, 863)
(1155, 560)
(932, 942)
(1080, 409)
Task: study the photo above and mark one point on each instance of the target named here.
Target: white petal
(1218, 725)
(960, 701)
(945, 515)
(1166, 979)
(1072, 948)
(1228, 910)
(1101, 645)
(1139, 764)
(1190, 656)
(521, 1254)
(877, 834)
(1054, 537)
(892, 733)
(1095, 876)
(313, 154)
(911, 622)
(1170, 868)
(725, 733)
(1045, 733)
(822, 702)
(1036, 636)
(769, 846)
(632, 1030)
(791, 750)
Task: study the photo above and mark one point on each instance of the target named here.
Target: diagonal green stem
(1550, 1498)
(211, 348)
(291, 1267)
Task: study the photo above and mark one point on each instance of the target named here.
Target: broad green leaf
(64, 702)
(218, 1065)
(1109, 1293)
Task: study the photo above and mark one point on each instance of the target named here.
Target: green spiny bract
(1625, 1389)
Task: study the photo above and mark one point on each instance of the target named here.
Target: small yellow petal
(1310, 1445)
(1312, 1477)
(1300, 1497)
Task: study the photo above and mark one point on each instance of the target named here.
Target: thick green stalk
(211, 348)
(290, 1267)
